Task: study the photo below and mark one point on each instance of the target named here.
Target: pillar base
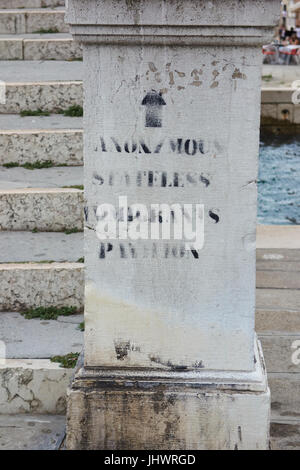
(161, 410)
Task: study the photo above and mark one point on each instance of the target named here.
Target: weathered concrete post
(171, 116)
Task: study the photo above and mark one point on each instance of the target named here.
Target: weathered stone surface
(33, 71)
(285, 434)
(154, 303)
(277, 106)
(170, 332)
(30, 21)
(29, 285)
(277, 320)
(60, 146)
(184, 420)
(46, 49)
(211, 410)
(16, 247)
(276, 95)
(281, 351)
(14, 123)
(289, 279)
(282, 75)
(42, 432)
(278, 299)
(269, 111)
(49, 96)
(50, 85)
(13, 4)
(51, 209)
(285, 393)
(58, 46)
(36, 338)
(53, 177)
(33, 386)
(11, 49)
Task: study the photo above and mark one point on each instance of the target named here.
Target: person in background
(282, 32)
(294, 41)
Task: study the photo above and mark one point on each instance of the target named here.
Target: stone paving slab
(55, 177)
(39, 339)
(14, 123)
(16, 247)
(16, 71)
(36, 432)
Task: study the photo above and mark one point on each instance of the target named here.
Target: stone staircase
(41, 222)
(41, 210)
(278, 324)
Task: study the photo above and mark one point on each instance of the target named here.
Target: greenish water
(279, 180)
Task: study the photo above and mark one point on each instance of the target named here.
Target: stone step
(53, 177)
(278, 299)
(47, 85)
(285, 393)
(33, 386)
(29, 381)
(285, 238)
(31, 432)
(14, 4)
(57, 46)
(43, 209)
(277, 105)
(31, 285)
(285, 432)
(277, 320)
(28, 139)
(23, 247)
(281, 351)
(286, 276)
(37, 338)
(20, 21)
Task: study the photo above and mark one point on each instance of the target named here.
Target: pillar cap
(169, 22)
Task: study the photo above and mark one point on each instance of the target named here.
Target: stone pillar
(171, 116)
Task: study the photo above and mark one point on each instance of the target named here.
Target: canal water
(279, 180)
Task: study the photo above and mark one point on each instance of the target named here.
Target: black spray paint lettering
(214, 216)
(179, 146)
(152, 179)
(129, 251)
(153, 102)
